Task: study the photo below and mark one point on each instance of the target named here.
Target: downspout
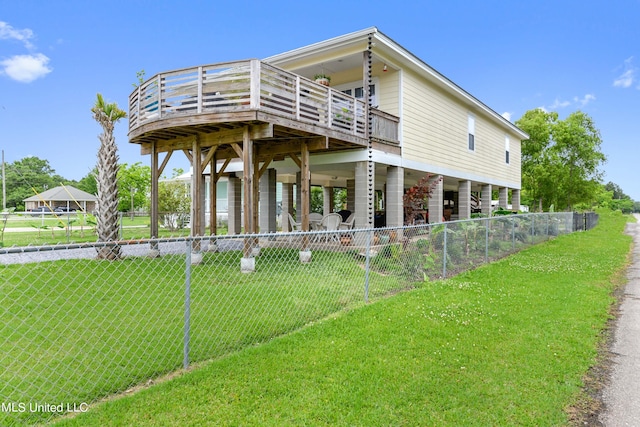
(370, 164)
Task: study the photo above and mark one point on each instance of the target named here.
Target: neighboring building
(67, 197)
(387, 120)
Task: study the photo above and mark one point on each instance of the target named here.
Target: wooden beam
(305, 176)
(155, 175)
(227, 136)
(197, 195)
(209, 155)
(213, 193)
(222, 169)
(164, 163)
(264, 167)
(296, 160)
(188, 154)
(247, 177)
(293, 145)
(239, 150)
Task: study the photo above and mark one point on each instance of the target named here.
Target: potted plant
(322, 79)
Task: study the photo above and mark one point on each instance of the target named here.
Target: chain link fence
(76, 330)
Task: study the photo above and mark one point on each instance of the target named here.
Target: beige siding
(389, 92)
(435, 131)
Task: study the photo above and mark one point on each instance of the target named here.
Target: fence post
(547, 226)
(367, 266)
(513, 233)
(533, 229)
(444, 250)
(486, 241)
(187, 304)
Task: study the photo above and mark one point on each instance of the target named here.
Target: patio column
(287, 205)
(351, 195)
(363, 205)
(503, 198)
(268, 202)
(515, 200)
(327, 200)
(485, 200)
(234, 195)
(436, 201)
(394, 193)
(464, 199)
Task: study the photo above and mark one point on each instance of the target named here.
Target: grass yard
(506, 344)
(79, 330)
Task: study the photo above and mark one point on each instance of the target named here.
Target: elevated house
(386, 120)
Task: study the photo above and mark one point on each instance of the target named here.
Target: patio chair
(348, 223)
(314, 220)
(331, 222)
(295, 226)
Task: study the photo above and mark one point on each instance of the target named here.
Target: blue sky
(513, 55)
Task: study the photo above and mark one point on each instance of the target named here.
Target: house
(386, 120)
(66, 197)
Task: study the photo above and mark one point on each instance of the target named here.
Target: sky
(560, 55)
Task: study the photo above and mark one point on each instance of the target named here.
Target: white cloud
(559, 104)
(26, 68)
(7, 32)
(507, 115)
(628, 75)
(585, 100)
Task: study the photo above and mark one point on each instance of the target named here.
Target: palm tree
(107, 208)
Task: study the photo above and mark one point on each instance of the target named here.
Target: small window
(356, 90)
(472, 132)
(506, 149)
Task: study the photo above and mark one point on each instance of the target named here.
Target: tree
(174, 202)
(107, 115)
(89, 182)
(417, 197)
(561, 160)
(577, 147)
(133, 186)
(28, 176)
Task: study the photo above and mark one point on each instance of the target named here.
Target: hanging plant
(322, 79)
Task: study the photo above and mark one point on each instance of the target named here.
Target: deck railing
(384, 126)
(244, 86)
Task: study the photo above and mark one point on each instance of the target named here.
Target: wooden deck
(220, 100)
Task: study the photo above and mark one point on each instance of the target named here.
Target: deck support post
(197, 194)
(153, 209)
(305, 192)
(247, 264)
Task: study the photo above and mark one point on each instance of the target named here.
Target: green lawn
(506, 344)
(79, 330)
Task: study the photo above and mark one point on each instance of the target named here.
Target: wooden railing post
(159, 95)
(199, 103)
(254, 75)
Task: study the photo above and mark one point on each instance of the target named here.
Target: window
(506, 149)
(472, 133)
(356, 90)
